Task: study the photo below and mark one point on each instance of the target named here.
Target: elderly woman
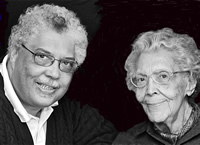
(163, 70)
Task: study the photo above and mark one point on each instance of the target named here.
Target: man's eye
(68, 63)
(41, 56)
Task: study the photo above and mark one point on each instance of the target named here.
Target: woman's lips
(155, 103)
(155, 106)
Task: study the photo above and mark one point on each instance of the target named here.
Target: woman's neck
(176, 123)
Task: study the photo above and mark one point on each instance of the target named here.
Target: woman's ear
(191, 85)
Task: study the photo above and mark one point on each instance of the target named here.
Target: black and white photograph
(99, 72)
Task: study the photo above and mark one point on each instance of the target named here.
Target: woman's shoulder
(138, 128)
(129, 136)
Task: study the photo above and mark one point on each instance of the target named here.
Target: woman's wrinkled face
(38, 86)
(161, 102)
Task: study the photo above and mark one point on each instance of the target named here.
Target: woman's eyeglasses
(161, 77)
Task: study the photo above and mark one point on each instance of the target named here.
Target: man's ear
(13, 57)
(191, 85)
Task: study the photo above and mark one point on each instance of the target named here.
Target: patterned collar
(191, 122)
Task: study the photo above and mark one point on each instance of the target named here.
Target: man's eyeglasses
(42, 59)
(161, 78)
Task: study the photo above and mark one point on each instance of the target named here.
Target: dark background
(112, 27)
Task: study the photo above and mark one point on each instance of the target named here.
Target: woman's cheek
(140, 95)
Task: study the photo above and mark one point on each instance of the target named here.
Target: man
(45, 48)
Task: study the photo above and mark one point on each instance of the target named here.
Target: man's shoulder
(76, 108)
(1, 85)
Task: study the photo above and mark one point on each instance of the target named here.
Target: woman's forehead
(156, 60)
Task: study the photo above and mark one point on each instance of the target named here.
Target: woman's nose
(151, 87)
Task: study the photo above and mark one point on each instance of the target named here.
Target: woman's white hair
(184, 48)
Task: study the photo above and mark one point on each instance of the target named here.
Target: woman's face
(161, 102)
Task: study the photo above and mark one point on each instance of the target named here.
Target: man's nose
(53, 70)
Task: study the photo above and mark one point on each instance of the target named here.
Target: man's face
(38, 86)
(161, 102)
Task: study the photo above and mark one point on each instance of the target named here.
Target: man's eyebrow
(49, 53)
(69, 58)
(45, 51)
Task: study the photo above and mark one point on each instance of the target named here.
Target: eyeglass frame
(52, 61)
(171, 74)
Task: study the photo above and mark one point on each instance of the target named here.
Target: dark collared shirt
(144, 134)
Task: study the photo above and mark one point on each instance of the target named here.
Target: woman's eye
(163, 76)
(141, 79)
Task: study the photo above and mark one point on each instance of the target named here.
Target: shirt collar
(12, 97)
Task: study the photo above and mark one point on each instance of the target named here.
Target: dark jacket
(144, 134)
(69, 124)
